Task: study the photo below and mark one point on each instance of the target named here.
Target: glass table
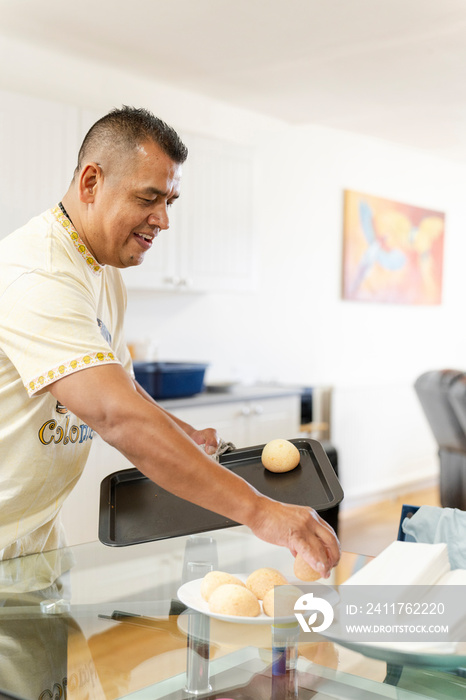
(99, 622)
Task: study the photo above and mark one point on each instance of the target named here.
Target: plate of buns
(242, 598)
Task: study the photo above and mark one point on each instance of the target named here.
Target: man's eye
(146, 201)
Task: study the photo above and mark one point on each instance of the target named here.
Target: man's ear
(90, 175)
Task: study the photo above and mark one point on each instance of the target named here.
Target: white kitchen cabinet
(210, 243)
(39, 142)
(248, 422)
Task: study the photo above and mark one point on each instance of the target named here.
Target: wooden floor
(370, 529)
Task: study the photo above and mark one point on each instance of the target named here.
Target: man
(65, 370)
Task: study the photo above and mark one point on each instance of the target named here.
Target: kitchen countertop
(237, 392)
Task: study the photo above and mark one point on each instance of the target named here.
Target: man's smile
(145, 240)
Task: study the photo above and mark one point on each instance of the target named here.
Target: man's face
(130, 205)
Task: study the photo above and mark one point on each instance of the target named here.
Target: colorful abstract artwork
(392, 252)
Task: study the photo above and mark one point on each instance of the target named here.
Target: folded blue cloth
(432, 525)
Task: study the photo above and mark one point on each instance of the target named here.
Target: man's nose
(159, 218)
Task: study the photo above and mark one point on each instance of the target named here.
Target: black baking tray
(134, 509)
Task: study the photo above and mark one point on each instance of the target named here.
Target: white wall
(296, 328)
(371, 353)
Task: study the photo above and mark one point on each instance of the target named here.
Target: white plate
(190, 594)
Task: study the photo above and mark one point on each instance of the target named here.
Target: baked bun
(280, 456)
(231, 599)
(214, 579)
(262, 580)
(268, 603)
(303, 571)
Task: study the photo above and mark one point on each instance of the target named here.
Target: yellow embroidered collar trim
(78, 243)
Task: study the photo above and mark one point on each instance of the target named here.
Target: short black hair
(127, 128)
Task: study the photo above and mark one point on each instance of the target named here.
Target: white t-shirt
(60, 312)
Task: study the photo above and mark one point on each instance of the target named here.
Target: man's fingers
(331, 543)
(320, 548)
(328, 536)
(207, 439)
(318, 558)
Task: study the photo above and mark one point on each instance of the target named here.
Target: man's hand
(208, 438)
(305, 533)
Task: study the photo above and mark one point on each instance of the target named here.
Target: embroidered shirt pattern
(92, 358)
(77, 241)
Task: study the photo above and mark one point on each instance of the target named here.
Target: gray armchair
(442, 394)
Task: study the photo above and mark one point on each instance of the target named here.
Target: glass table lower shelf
(100, 623)
(247, 675)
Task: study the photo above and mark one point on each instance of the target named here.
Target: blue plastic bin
(169, 380)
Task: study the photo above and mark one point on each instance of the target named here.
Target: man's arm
(207, 437)
(106, 399)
